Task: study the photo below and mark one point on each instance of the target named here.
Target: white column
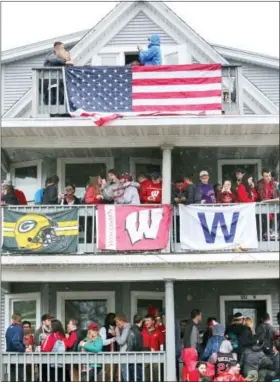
(166, 174)
(170, 331)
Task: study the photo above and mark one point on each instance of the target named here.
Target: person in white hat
(205, 193)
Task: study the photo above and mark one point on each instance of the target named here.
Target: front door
(253, 309)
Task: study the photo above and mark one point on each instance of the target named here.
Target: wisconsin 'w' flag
(107, 93)
(31, 233)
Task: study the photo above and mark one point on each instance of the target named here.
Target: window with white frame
(27, 304)
(109, 59)
(227, 167)
(144, 165)
(27, 177)
(171, 59)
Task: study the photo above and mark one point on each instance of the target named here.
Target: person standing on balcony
(144, 183)
(130, 195)
(151, 56)
(71, 343)
(190, 189)
(93, 190)
(114, 191)
(239, 173)
(153, 192)
(8, 195)
(58, 56)
(69, 198)
(123, 339)
(136, 345)
(15, 344)
(204, 191)
(246, 192)
(51, 191)
(108, 335)
(226, 195)
(44, 330)
(266, 187)
(191, 335)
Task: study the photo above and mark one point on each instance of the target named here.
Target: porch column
(166, 174)
(170, 331)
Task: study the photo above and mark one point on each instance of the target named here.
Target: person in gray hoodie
(130, 188)
(114, 190)
(123, 339)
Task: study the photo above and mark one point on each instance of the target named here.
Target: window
(28, 304)
(27, 178)
(79, 173)
(141, 301)
(171, 59)
(85, 307)
(147, 168)
(227, 167)
(108, 59)
(144, 165)
(130, 57)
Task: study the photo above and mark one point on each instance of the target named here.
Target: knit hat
(93, 326)
(219, 330)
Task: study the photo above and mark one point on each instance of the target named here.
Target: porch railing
(267, 220)
(49, 367)
(48, 91)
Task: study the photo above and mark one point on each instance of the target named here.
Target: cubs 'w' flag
(107, 93)
(32, 233)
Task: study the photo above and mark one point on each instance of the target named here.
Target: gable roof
(174, 26)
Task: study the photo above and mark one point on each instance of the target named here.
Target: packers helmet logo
(27, 226)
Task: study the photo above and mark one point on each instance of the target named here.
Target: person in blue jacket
(151, 56)
(15, 344)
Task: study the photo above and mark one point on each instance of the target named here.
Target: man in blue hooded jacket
(14, 343)
(151, 56)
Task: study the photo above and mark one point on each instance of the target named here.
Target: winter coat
(178, 193)
(71, 343)
(50, 195)
(130, 196)
(20, 197)
(190, 192)
(10, 199)
(214, 342)
(14, 339)
(53, 60)
(226, 197)
(93, 346)
(244, 336)
(205, 192)
(242, 195)
(151, 56)
(265, 334)
(48, 344)
(254, 359)
(136, 340)
(152, 340)
(267, 191)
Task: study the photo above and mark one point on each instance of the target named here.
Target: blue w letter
(219, 218)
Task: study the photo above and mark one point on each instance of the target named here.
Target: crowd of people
(122, 189)
(235, 353)
(117, 335)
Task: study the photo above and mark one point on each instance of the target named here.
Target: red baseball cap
(93, 326)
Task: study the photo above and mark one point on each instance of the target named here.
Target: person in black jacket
(136, 344)
(179, 193)
(253, 358)
(265, 333)
(50, 195)
(190, 189)
(8, 196)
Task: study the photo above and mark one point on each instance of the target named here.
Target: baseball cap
(126, 177)
(7, 183)
(93, 326)
(46, 317)
(203, 173)
(238, 315)
(155, 175)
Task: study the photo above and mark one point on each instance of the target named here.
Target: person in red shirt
(226, 195)
(246, 192)
(232, 375)
(93, 193)
(152, 193)
(28, 338)
(266, 187)
(21, 197)
(144, 183)
(158, 320)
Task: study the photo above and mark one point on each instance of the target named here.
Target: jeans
(135, 370)
(124, 373)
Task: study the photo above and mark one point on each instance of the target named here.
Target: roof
(91, 41)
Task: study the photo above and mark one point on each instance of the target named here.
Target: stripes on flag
(107, 93)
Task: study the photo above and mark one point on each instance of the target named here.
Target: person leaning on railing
(58, 56)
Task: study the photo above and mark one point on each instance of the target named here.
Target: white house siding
(138, 30)
(264, 78)
(188, 294)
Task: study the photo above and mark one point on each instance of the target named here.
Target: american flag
(107, 93)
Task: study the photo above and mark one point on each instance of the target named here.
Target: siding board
(138, 30)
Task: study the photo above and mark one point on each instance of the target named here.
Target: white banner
(205, 227)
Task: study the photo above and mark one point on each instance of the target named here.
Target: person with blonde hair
(249, 323)
(93, 193)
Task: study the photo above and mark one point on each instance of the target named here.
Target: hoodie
(214, 342)
(115, 191)
(205, 192)
(122, 337)
(254, 359)
(151, 56)
(130, 195)
(14, 338)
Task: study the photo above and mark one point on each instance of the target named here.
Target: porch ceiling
(141, 132)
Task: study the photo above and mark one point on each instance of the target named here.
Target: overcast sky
(246, 25)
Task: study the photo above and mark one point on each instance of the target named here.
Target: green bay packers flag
(35, 233)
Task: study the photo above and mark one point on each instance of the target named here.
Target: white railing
(48, 91)
(50, 367)
(267, 219)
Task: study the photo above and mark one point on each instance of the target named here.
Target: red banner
(133, 228)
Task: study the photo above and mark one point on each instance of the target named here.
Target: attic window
(130, 57)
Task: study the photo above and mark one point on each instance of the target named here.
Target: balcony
(48, 92)
(31, 366)
(88, 228)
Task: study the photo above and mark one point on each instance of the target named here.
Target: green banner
(36, 233)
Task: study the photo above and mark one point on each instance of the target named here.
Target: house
(35, 146)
